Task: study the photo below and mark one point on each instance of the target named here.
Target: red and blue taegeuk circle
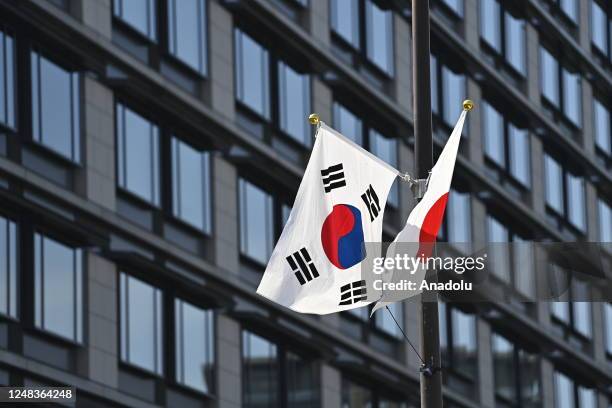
(342, 236)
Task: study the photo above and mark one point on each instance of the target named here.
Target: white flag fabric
(315, 266)
(426, 218)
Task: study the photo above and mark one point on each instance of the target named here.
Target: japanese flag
(426, 218)
(316, 264)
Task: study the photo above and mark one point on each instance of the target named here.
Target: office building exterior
(150, 151)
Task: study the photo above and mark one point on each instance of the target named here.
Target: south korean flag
(316, 264)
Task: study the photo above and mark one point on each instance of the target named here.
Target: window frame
(8, 59)
(570, 328)
(169, 37)
(607, 13)
(576, 388)
(152, 20)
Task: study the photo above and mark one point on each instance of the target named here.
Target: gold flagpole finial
(468, 105)
(313, 118)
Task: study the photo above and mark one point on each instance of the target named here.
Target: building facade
(150, 151)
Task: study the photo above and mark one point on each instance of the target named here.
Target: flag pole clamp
(418, 186)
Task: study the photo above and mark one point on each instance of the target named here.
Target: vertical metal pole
(431, 381)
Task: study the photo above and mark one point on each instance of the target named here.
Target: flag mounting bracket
(418, 186)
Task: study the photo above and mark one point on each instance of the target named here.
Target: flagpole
(431, 376)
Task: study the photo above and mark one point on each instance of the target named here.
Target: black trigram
(333, 177)
(302, 266)
(371, 201)
(353, 293)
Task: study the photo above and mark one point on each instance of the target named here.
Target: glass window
(602, 127)
(582, 317)
(572, 97)
(187, 32)
(55, 107)
(520, 165)
(191, 185)
(347, 123)
(608, 325)
(141, 324)
(455, 5)
(549, 76)
(194, 336)
(498, 232)
(252, 74)
(464, 342)
(599, 27)
(564, 391)
(302, 382)
(137, 155)
(354, 395)
(504, 368)
(453, 89)
(515, 42)
(587, 398)
(605, 221)
(9, 262)
(383, 320)
(459, 217)
(489, 23)
(493, 128)
(554, 184)
(386, 149)
(7, 80)
(256, 222)
(379, 36)
(260, 372)
(294, 101)
(58, 288)
(139, 14)
(345, 20)
(561, 310)
(575, 201)
(433, 64)
(570, 8)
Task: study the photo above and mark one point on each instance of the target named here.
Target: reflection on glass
(345, 20)
(572, 97)
(294, 103)
(347, 123)
(355, 396)
(570, 8)
(8, 267)
(58, 288)
(549, 76)
(464, 342)
(7, 80)
(520, 166)
(498, 233)
(608, 325)
(455, 5)
(252, 74)
(260, 372)
(601, 116)
(489, 23)
(384, 321)
(575, 200)
(459, 218)
(137, 155)
(194, 333)
(379, 35)
(256, 222)
(504, 368)
(302, 385)
(187, 33)
(453, 89)
(553, 183)
(191, 185)
(599, 24)
(139, 14)
(386, 149)
(493, 128)
(564, 391)
(141, 324)
(529, 379)
(55, 107)
(605, 221)
(515, 42)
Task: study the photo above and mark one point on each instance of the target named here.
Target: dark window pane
(605, 221)
(572, 97)
(58, 288)
(355, 396)
(453, 89)
(608, 323)
(493, 128)
(529, 379)
(187, 32)
(599, 27)
(194, 333)
(345, 20)
(137, 155)
(515, 42)
(141, 324)
(347, 123)
(455, 5)
(504, 368)
(520, 159)
(191, 185)
(140, 14)
(7, 80)
(489, 23)
(55, 107)
(379, 35)
(294, 100)
(302, 384)
(260, 372)
(564, 391)
(575, 201)
(433, 62)
(602, 126)
(386, 149)
(549, 76)
(252, 74)
(256, 222)
(8, 267)
(570, 8)
(554, 184)
(498, 232)
(464, 342)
